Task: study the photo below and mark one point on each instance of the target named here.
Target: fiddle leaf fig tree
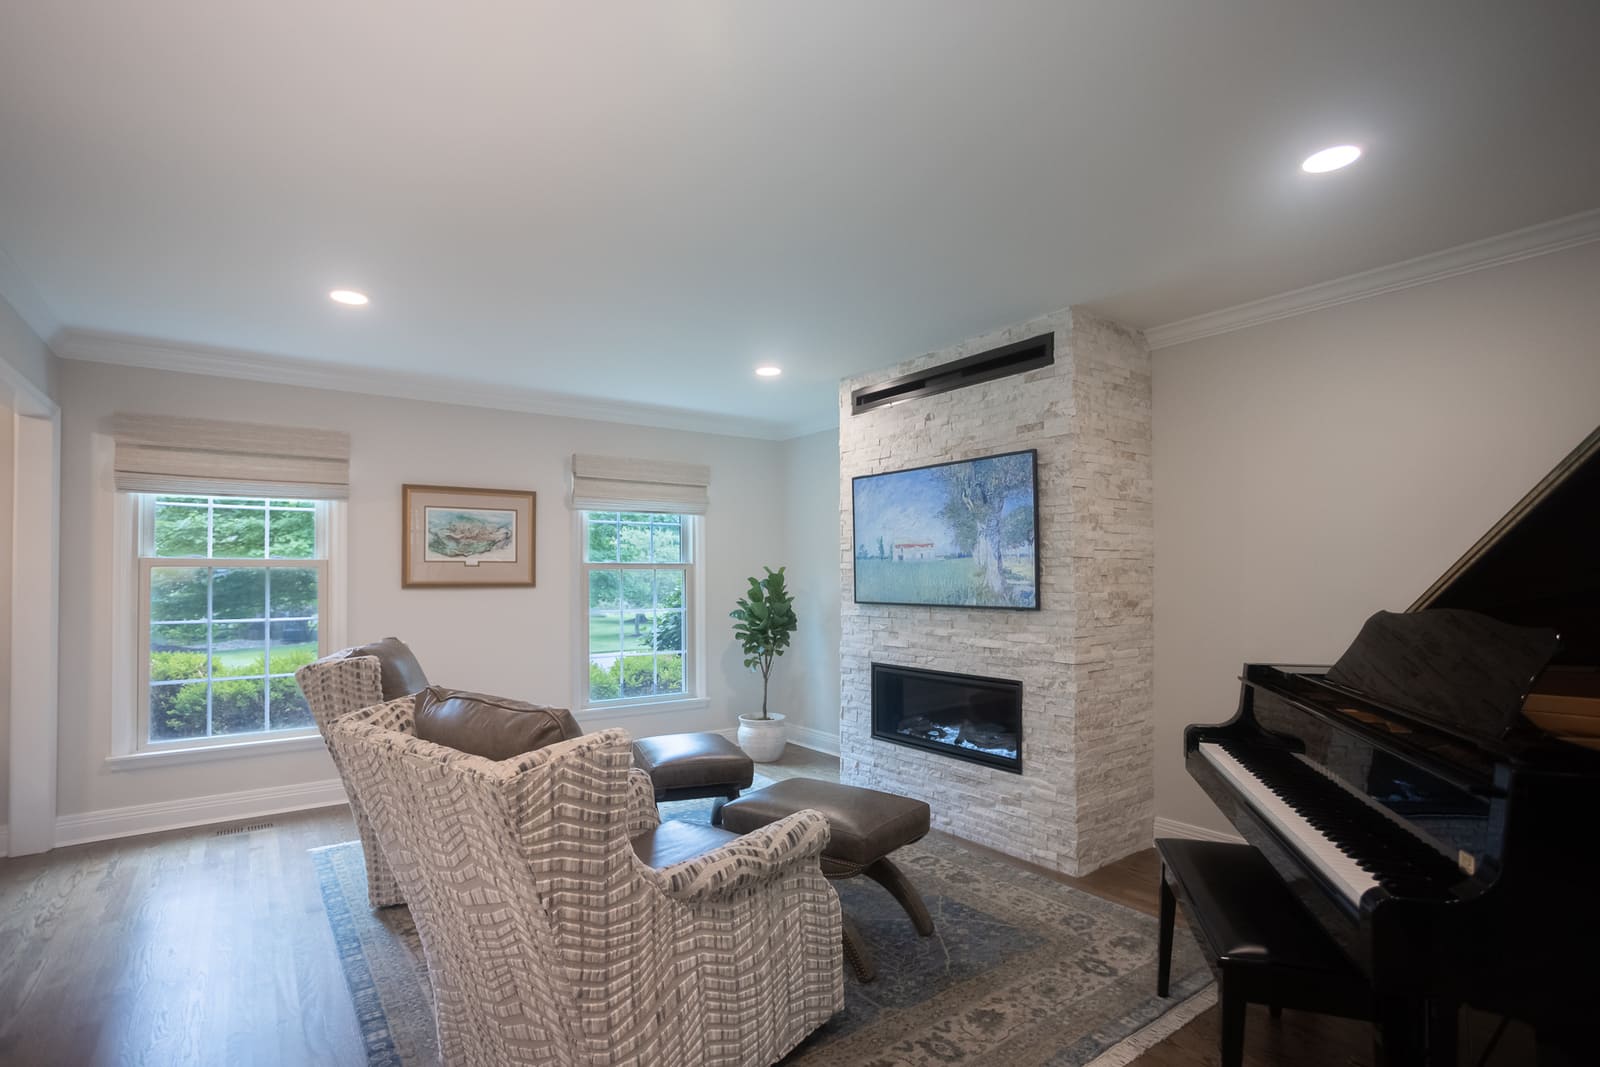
(763, 622)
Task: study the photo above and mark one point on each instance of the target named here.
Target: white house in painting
(904, 550)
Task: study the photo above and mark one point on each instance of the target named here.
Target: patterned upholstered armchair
(347, 681)
(356, 678)
(549, 941)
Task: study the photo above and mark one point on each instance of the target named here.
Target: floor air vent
(1002, 362)
(227, 830)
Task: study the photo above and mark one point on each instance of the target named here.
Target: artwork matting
(455, 536)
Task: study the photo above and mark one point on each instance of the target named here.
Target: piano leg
(1443, 1017)
(1408, 1032)
(1399, 1030)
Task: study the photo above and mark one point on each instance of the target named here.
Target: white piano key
(1336, 866)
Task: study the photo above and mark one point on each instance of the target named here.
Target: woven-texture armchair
(549, 942)
(339, 684)
(336, 686)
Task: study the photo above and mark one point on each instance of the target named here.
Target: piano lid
(1540, 564)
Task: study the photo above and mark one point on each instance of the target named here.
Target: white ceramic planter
(763, 739)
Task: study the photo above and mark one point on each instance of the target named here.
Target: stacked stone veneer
(1086, 795)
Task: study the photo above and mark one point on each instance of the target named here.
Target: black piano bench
(1261, 944)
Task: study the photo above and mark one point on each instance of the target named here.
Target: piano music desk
(1261, 944)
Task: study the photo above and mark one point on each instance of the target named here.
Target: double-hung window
(639, 606)
(226, 535)
(232, 595)
(639, 528)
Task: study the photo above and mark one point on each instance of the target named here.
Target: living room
(1328, 386)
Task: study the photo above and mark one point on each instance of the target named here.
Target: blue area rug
(1021, 971)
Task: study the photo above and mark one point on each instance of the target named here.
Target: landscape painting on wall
(466, 537)
(476, 535)
(955, 534)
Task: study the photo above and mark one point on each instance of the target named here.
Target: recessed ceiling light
(1331, 159)
(769, 371)
(348, 296)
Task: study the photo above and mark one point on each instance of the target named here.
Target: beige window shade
(167, 454)
(607, 483)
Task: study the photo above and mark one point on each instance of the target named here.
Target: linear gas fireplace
(960, 715)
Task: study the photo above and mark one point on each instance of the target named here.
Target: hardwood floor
(178, 948)
(199, 948)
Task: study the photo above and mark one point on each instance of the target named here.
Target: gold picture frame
(452, 536)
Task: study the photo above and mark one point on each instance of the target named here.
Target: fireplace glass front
(960, 715)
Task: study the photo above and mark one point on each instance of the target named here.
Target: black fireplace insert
(961, 715)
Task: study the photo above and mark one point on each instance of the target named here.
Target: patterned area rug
(1021, 970)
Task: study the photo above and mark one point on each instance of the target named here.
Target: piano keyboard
(1338, 867)
(1355, 843)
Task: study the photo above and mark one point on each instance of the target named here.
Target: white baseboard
(1174, 828)
(196, 811)
(816, 740)
(804, 736)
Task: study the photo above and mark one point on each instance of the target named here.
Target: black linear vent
(1001, 362)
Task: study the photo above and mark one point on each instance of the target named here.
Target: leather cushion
(673, 842)
(689, 761)
(1242, 909)
(402, 674)
(492, 727)
(865, 825)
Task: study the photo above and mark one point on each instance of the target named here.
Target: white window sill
(607, 712)
(206, 753)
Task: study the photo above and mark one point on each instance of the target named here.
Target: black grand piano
(1449, 845)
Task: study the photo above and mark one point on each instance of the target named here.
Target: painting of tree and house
(959, 534)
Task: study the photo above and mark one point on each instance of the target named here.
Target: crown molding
(124, 351)
(1510, 247)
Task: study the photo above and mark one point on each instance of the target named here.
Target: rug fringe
(1136, 1044)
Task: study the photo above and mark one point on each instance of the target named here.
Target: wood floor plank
(176, 949)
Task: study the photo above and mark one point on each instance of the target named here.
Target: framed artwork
(962, 534)
(466, 537)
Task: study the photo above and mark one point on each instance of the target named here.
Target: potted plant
(763, 621)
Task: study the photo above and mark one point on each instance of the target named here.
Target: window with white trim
(232, 595)
(639, 609)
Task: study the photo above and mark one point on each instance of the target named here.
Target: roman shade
(171, 454)
(608, 483)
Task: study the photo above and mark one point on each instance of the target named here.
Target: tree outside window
(637, 570)
(232, 592)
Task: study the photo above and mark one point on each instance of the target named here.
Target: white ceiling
(642, 201)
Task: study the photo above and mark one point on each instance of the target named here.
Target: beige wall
(511, 641)
(7, 457)
(26, 354)
(25, 351)
(806, 680)
(1311, 471)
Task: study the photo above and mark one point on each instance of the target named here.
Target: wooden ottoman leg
(856, 951)
(886, 874)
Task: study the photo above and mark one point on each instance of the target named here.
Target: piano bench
(1261, 944)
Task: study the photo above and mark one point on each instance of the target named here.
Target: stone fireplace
(1081, 791)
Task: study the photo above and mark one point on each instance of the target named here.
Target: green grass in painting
(939, 581)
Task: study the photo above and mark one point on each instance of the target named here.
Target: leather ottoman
(865, 826)
(691, 766)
